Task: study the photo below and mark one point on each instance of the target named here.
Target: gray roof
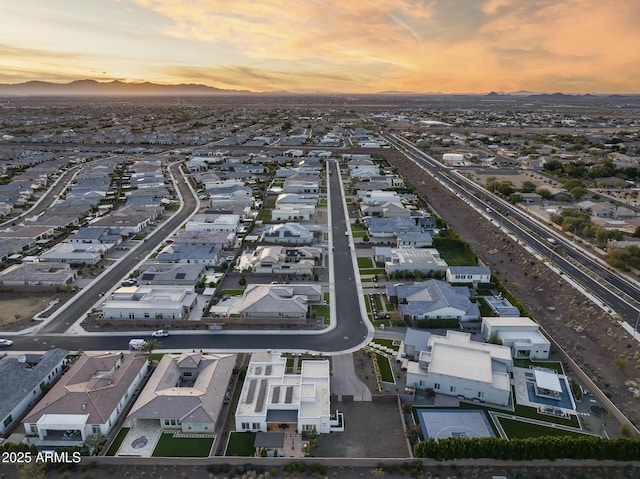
(432, 295)
(18, 380)
(470, 270)
(269, 440)
(391, 225)
(282, 415)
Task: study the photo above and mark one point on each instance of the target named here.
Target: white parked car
(5, 342)
(160, 333)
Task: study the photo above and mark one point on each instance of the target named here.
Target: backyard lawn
(241, 444)
(521, 429)
(386, 342)
(320, 310)
(115, 445)
(169, 446)
(457, 257)
(553, 365)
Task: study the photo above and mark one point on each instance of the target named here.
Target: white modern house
(521, 334)
(186, 392)
(74, 253)
(150, 302)
(273, 400)
(24, 380)
(287, 233)
(415, 259)
(275, 259)
(88, 399)
(468, 274)
(454, 365)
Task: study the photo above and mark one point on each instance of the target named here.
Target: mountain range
(113, 88)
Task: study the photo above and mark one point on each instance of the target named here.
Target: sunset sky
(350, 46)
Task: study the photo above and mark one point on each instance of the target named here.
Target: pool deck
(522, 395)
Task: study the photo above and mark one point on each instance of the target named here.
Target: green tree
(528, 186)
(578, 192)
(94, 443)
(150, 346)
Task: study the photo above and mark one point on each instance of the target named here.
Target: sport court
(443, 423)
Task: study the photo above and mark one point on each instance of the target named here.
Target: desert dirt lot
(18, 308)
(589, 335)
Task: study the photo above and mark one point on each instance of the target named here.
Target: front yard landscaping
(385, 368)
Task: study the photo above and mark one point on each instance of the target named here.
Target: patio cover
(547, 380)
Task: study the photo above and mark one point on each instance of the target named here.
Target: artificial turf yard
(115, 445)
(241, 444)
(522, 429)
(169, 446)
(385, 368)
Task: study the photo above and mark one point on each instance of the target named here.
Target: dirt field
(592, 338)
(19, 307)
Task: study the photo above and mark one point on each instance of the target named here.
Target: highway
(601, 283)
(349, 334)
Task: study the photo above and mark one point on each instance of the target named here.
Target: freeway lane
(349, 334)
(482, 198)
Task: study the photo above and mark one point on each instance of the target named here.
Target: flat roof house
(454, 365)
(186, 392)
(150, 302)
(521, 334)
(273, 400)
(88, 399)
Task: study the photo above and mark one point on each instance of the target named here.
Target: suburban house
(74, 253)
(415, 340)
(220, 239)
(171, 274)
(301, 185)
(275, 259)
(454, 365)
(424, 260)
(293, 212)
(385, 229)
(205, 254)
(24, 380)
(37, 274)
(279, 300)
(434, 299)
(415, 240)
(213, 222)
(296, 199)
(288, 233)
(88, 399)
(273, 400)
(103, 236)
(150, 302)
(468, 274)
(387, 209)
(521, 334)
(186, 392)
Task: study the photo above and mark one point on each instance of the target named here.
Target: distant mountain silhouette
(113, 88)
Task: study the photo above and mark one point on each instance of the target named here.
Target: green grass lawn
(265, 216)
(173, 207)
(233, 292)
(385, 368)
(373, 271)
(484, 292)
(320, 310)
(326, 296)
(323, 203)
(365, 263)
(485, 310)
(457, 257)
(391, 307)
(241, 444)
(378, 302)
(168, 446)
(115, 445)
(520, 429)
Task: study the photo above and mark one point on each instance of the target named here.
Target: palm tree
(149, 346)
(94, 443)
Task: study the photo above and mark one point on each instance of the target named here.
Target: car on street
(160, 333)
(5, 342)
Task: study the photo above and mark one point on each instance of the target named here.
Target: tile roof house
(88, 399)
(38, 274)
(186, 392)
(23, 380)
(279, 301)
(434, 299)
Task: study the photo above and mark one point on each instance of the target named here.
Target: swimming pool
(564, 401)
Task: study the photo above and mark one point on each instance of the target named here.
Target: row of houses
(186, 392)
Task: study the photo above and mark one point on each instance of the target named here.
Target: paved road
(350, 334)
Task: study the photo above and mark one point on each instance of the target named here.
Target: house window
(452, 389)
(8, 420)
(436, 385)
(146, 315)
(308, 427)
(245, 425)
(34, 429)
(132, 316)
(256, 425)
(95, 429)
(480, 394)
